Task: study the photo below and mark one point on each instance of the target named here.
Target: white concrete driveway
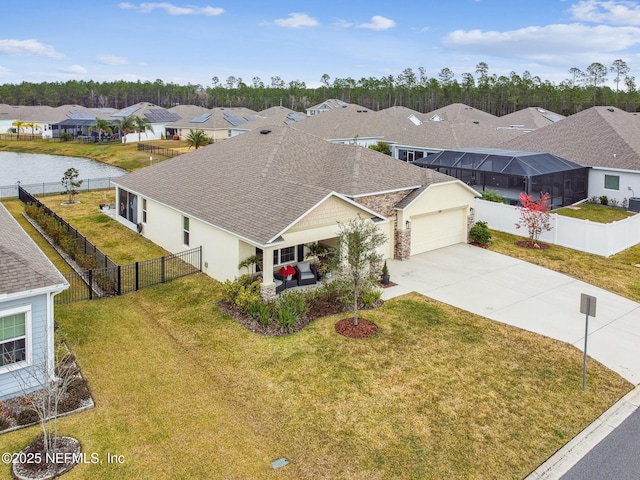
(518, 293)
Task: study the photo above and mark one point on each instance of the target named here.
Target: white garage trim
(438, 229)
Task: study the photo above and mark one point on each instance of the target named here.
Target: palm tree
(126, 125)
(101, 126)
(142, 125)
(197, 139)
(19, 124)
(32, 126)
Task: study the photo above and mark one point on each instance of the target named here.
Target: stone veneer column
(402, 244)
(268, 291)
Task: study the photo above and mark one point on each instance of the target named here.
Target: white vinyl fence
(603, 239)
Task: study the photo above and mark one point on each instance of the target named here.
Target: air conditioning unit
(634, 204)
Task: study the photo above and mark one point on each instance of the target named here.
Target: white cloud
(111, 60)
(171, 9)
(28, 47)
(74, 70)
(608, 11)
(297, 20)
(545, 42)
(378, 23)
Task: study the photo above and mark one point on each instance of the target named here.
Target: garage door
(437, 230)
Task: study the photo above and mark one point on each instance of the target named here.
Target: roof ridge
(272, 155)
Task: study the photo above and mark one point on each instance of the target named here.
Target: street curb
(565, 458)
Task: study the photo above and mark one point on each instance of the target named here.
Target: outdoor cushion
(304, 267)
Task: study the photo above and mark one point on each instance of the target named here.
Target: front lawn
(594, 212)
(183, 391)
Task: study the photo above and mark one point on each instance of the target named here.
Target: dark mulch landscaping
(39, 466)
(323, 307)
(364, 328)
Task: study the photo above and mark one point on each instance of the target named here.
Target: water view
(40, 173)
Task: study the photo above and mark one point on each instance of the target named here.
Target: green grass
(121, 244)
(595, 213)
(124, 156)
(183, 391)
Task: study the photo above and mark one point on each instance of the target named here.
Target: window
(185, 230)
(144, 210)
(284, 255)
(13, 337)
(128, 205)
(612, 182)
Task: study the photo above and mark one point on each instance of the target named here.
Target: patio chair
(292, 282)
(306, 273)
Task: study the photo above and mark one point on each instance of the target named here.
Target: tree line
(498, 95)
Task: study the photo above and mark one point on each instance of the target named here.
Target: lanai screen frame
(512, 172)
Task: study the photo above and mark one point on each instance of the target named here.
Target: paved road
(617, 457)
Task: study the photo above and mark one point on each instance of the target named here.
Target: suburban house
(274, 192)
(325, 106)
(28, 284)
(605, 139)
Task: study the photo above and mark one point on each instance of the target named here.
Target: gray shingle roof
(597, 137)
(530, 118)
(23, 266)
(256, 185)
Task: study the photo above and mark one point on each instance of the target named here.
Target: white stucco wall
(629, 183)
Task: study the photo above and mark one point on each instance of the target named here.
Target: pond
(40, 173)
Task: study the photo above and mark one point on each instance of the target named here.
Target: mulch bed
(390, 284)
(321, 308)
(534, 246)
(364, 329)
(36, 466)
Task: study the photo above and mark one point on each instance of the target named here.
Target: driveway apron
(527, 296)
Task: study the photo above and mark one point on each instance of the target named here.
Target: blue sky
(193, 41)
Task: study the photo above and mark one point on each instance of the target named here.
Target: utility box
(634, 204)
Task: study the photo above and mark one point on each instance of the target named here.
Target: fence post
(137, 276)
(119, 285)
(90, 283)
(162, 270)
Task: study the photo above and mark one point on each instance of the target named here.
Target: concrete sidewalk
(533, 298)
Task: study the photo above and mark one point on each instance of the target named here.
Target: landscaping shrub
(290, 308)
(336, 290)
(106, 283)
(613, 202)
(26, 417)
(4, 422)
(604, 200)
(480, 233)
(77, 393)
(262, 312)
(493, 196)
(370, 296)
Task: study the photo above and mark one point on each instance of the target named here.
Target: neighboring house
(275, 191)
(159, 118)
(28, 284)
(357, 125)
(529, 119)
(606, 139)
(325, 106)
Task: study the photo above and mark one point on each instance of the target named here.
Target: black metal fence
(118, 280)
(167, 152)
(109, 278)
(51, 188)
